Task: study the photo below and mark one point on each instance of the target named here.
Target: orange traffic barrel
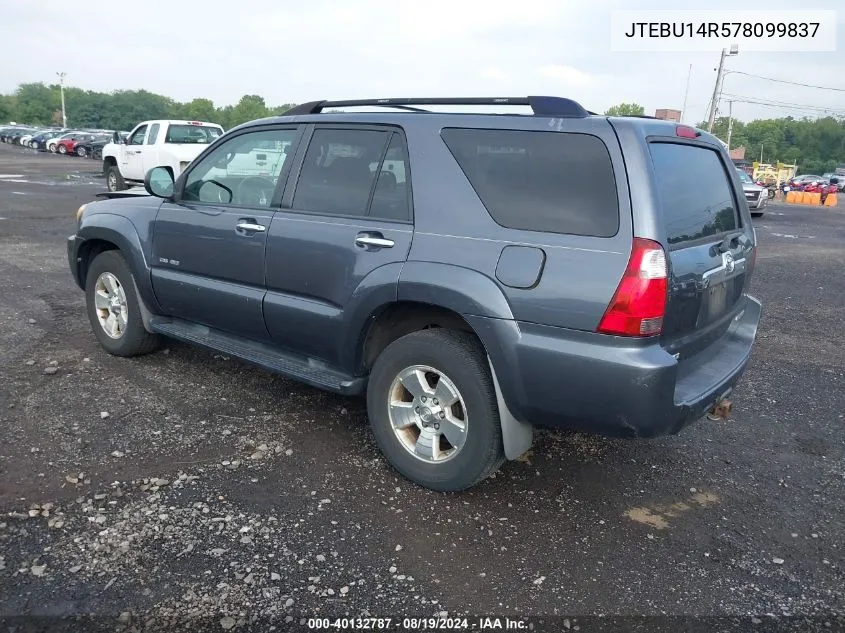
(830, 201)
(791, 197)
(816, 198)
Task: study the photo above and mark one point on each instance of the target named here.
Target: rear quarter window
(695, 192)
(555, 182)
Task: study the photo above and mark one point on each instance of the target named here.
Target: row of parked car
(86, 143)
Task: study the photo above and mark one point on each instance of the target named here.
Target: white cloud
(289, 51)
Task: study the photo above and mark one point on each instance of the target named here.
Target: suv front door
(349, 217)
(208, 245)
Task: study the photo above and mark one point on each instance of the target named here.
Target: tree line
(40, 104)
(816, 145)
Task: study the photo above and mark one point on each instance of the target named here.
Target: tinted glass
(242, 171)
(203, 134)
(339, 171)
(743, 176)
(151, 139)
(540, 181)
(392, 193)
(694, 190)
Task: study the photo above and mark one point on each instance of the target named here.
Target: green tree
(7, 108)
(249, 108)
(201, 110)
(35, 104)
(625, 109)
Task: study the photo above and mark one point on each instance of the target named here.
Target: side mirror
(213, 191)
(159, 182)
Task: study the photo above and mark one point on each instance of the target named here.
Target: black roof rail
(544, 106)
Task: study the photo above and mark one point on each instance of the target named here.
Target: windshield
(743, 176)
(203, 134)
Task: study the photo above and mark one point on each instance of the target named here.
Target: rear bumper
(610, 385)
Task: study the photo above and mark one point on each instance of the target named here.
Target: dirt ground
(186, 488)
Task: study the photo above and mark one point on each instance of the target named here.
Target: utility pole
(717, 89)
(62, 88)
(686, 94)
(730, 121)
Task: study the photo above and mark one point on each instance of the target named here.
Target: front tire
(62, 149)
(757, 214)
(433, 410)
(114, 181)
(113, 308)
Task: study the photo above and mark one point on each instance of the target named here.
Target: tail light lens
(639, 305)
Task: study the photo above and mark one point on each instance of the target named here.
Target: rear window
(203, 134)
(694, 190)
(555, 182)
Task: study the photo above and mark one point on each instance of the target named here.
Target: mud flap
(517, 436)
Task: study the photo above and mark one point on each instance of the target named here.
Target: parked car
(93, 146)
(39, 141)
(69, 145)
(804, 179)
(840, 180)
(171, 144)
(473, 275)
(756, 196)
(9, 133)
(53, 143)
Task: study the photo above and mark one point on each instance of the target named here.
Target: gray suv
(473, 275)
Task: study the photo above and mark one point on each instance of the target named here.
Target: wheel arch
(394, 320)
(114, 232)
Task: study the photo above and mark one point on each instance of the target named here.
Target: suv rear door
(710, 241)
(346, 212)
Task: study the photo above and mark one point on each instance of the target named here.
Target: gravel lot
(184, 487)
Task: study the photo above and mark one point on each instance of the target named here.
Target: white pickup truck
(171, 144)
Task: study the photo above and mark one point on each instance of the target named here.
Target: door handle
(251, 226)
(371, 240)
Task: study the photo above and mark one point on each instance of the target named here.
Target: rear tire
(109, 282)
(459, 358)
(80, 151)
(114, 181)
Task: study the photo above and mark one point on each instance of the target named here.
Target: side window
(392, 193)
(151, 139)
(339, 171)
(555, 182)
(138, 137)
(242, 171)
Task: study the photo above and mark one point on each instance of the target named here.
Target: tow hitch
(722, 409)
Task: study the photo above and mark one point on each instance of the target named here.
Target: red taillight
(638, 307)
(685, 131)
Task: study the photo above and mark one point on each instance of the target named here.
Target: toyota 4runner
(474, 275)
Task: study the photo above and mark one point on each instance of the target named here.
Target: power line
(786, 81)
(784, 104)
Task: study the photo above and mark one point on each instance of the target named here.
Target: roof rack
(543, 106)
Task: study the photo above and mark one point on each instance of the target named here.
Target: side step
(261, 354)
